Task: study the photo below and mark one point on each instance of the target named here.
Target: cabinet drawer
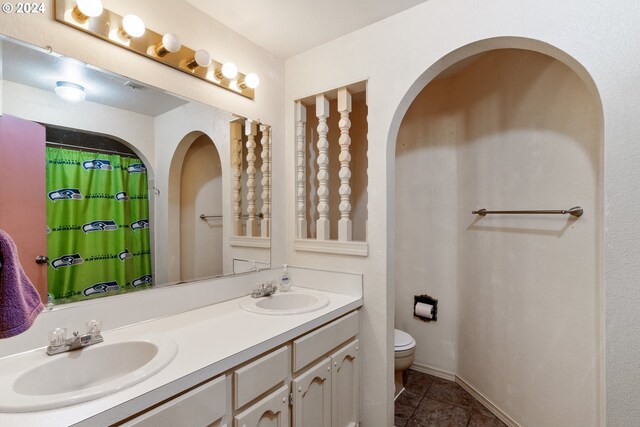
(317, 343)
(260, 376)
(201, 406)
(272, 411)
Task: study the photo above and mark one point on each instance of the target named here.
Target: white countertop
(211, 340)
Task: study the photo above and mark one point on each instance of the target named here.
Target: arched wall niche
(596, 215)
(475, 48)
(173, 217)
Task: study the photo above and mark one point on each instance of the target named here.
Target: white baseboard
(486, 402)
(433, 371)
(499, 413)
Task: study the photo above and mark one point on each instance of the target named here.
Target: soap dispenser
(285, 280)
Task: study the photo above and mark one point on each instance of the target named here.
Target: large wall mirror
(131, 188)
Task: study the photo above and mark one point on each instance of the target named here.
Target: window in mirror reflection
(97, 217)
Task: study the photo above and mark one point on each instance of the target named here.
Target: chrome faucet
(264, 289)
(59, 343)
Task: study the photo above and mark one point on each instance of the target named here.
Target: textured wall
(201, 242)
(399, 56)
(519, 296)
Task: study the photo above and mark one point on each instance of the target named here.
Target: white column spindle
(236, 176)
(250, 129)
(265, 223)
(344, 108)
(301, 171)
(322, 224)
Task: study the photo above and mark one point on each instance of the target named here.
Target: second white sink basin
(81, 375)
(284, 303)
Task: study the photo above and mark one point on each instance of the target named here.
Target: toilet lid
(403, 341)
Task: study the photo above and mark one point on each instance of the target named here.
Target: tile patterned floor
(433, 402)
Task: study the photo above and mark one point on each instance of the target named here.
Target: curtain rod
(102, 150)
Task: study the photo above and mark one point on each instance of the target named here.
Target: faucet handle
(57, 337)
(94, 327)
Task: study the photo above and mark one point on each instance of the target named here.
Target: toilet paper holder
(426, 299)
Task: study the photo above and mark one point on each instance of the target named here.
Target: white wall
(175, 131)
(201, 242)
(513, 130)
(42, 106)
(426, 199)
(399, 56)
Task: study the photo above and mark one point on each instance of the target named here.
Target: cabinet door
(312, 396)
(23, 194)
(345, 383)
(272, 411)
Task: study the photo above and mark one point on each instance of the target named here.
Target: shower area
(519, 295)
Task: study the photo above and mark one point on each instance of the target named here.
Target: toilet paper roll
(424, 310)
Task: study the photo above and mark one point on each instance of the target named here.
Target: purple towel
(19, 299)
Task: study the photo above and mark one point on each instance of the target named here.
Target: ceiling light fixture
(86, 9)
(170, 44)
(132, 27)
(129, 32)
(71, 92)
(201, 58)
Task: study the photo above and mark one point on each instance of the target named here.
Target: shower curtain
(97, 224)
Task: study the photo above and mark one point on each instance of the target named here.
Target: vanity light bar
(108, 26)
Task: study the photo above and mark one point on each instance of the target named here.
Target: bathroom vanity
(312, 377)
(232, 367)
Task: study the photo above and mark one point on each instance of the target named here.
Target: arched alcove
(503, 124)
(197, 149)
(201, 194)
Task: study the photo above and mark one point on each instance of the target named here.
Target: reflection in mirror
(201, 191)
(177, 159)
(97, 216)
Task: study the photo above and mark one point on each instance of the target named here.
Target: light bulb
(90, 8)
(229, 70)
(200, 59)
(133, 26)
(71, 92)
(86, 9)
(252, 80)
(170, 44)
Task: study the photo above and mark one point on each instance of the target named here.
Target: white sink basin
(35, 381)
(284, 303)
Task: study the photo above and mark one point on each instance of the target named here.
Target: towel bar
(575, 211)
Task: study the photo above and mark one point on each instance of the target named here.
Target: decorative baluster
(266, 180)
(344, 108)
(236, 176)
(322, 224)
(250, 129)
(301, 173)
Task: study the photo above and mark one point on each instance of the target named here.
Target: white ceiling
(33, 67)
(288, 27)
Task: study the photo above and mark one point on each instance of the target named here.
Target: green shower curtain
(97, 224)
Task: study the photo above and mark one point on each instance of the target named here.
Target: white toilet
(405, 349)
